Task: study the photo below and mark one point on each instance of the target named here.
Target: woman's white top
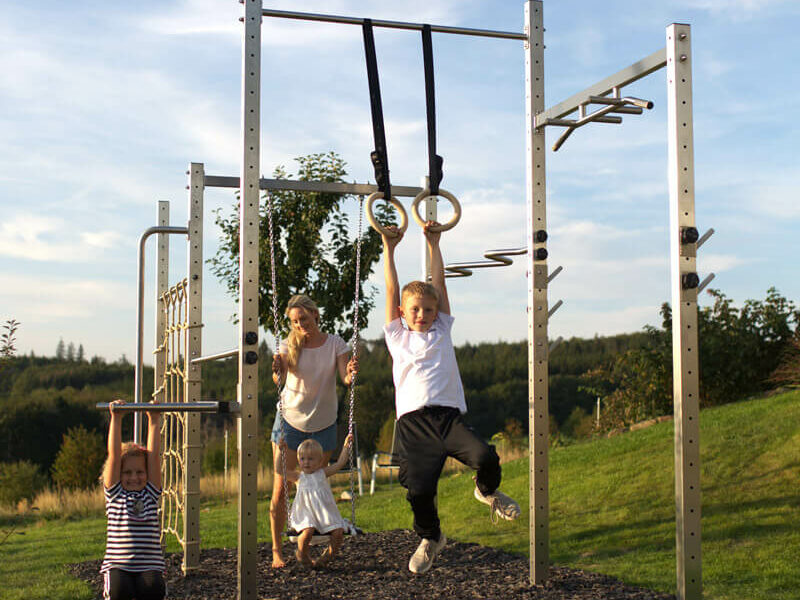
(309, 397)
(314, 505)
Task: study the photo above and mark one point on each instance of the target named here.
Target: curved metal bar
(137, 377)
(496, 258)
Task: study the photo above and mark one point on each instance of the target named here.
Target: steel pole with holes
(193, 382)
(538, 412)
(247, 389)
(684, 313)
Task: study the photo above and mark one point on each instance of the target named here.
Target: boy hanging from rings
(429, 399)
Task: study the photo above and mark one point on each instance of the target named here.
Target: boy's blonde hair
(312, 445)
(295, 341)
(419, 288)
(128, 450)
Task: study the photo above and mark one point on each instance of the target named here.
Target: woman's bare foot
(277, 559)
(304, 558)
(325, 557)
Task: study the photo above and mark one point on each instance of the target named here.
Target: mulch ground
(375, 566)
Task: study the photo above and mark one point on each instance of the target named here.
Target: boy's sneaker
(502, 505)
(422, 559)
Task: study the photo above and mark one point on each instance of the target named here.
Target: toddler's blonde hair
(311, 445)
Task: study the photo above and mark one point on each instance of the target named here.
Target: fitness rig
(685, 283)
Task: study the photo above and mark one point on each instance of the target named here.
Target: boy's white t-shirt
(424, 366)
(309, 397)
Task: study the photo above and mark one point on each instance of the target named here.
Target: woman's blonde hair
(128, 450)
(296, 340)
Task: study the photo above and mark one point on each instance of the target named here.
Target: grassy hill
(612, 511)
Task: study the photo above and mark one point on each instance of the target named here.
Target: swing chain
(354, 342)
(281, 379)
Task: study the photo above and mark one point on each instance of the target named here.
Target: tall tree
(71, 352)
(80, 356)
(61, 349)
(314, 249)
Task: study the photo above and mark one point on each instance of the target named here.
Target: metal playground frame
(685, 284)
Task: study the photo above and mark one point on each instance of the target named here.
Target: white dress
(314, 505)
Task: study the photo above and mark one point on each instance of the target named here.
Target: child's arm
(290, 474)
(343, 457)
(111, 473)
(437, 267)
(154, 448)
(390, 274)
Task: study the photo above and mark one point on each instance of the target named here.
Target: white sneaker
(422, 559)
(502, 505)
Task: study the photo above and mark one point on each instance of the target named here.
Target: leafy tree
(7, 341)
(314, 254)
(20, 480)
(788, 371)
(80, 459)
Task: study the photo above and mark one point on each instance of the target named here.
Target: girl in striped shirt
(134, 563)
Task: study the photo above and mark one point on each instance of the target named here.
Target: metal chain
(281, 379)
(354, 342)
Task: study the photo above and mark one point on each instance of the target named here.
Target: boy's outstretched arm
(390, 274)
(437, 267)
(111, 473)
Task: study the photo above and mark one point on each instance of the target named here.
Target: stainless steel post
(247, 388)
(538, 412)
(684, 314)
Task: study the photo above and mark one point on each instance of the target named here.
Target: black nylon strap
(435, 161)
(378, 156)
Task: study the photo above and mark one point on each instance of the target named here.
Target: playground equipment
(685, 283)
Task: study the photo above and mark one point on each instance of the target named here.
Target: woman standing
(309, 359)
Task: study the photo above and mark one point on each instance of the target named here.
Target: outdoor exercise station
(178, 356)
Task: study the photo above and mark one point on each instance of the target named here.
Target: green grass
(612, 511)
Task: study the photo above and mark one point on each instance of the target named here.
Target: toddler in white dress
(314, 506)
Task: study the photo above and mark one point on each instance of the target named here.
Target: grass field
(612, 511)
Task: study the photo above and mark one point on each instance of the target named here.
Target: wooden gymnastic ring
(374, 222)
(426, 193)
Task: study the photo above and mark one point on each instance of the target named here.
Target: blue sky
(103, 105)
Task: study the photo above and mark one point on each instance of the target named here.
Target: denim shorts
(326, 437)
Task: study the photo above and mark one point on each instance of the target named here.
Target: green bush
(80, 459)
(20, 480)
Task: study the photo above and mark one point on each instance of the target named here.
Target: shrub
(20, 481)
(80, 459)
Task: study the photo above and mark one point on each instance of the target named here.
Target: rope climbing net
(174, 303)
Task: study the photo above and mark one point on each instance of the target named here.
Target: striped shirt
(132, 537)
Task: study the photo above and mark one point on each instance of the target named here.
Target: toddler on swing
(314, 509)
(429, 398)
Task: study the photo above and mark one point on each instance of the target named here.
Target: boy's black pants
(426, 438)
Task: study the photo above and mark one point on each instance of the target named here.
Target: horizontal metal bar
(634, 72)
(705, 282)
(497, 258)
(204, 406)
(218, 356)
(267, 12)
(573, 123)
(704, 238)
(637, 102)
(327, 187)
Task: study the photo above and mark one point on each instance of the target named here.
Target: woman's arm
(111, 473)
(343, 457)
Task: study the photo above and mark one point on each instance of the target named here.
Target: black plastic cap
(251, 337)
(689, 235)
(690, 281)
(540, 254)
(251, 357)
(540, 236)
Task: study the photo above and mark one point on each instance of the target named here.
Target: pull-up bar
(204, 406)
(509, 35)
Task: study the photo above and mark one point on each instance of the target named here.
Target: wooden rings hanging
(374, 222)
(426, 193)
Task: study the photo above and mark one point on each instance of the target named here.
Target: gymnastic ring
(374, 222)
(426, 193)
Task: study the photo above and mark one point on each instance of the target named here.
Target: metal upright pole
(538, 412)
(192, 449)
(683, 252)
(162, 285)
(247, 388)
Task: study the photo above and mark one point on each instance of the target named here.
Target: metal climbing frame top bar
(628, 75)
(509, 35)
(329, 187)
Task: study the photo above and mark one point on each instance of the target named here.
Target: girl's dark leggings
(130, 585)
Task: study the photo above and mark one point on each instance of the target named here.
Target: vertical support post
(538, 411)
(247, 388)
(684, 314)
(431, 214)
(193, 381)
(162, 285)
